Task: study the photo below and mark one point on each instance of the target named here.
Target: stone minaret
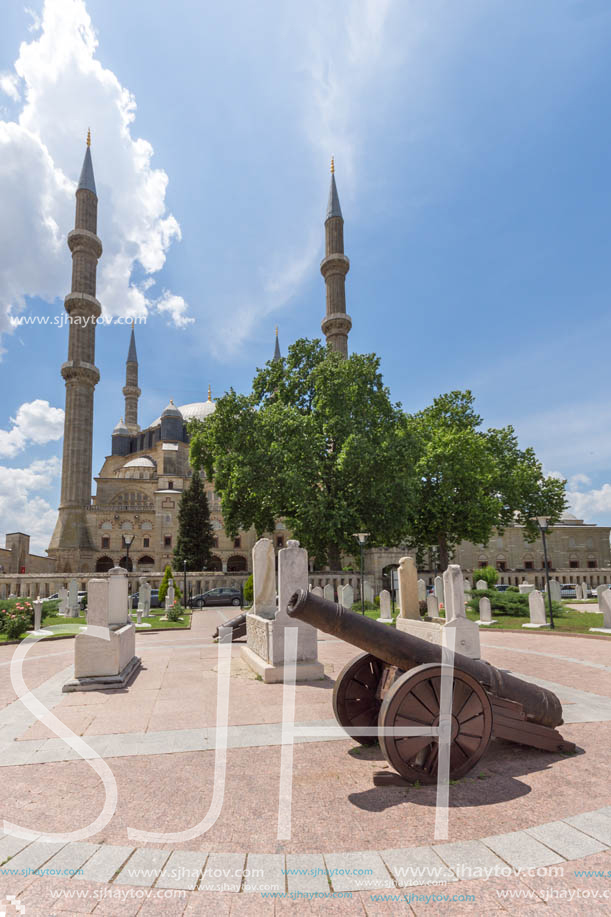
(277, 355)
(71, 544)
(130, 389)
(334, 266)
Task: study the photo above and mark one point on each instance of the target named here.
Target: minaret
(334, 266)
(277, 355)
(130, 389)
(71, 544)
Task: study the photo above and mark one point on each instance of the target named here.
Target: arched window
(236, 564)
(104, 564)
(215, 564)
(573, 560)
(501, 563)
(105, 542)
(127, 564)
(146, 561)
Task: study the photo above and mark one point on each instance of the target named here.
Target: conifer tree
(195, 538)
(168, 577)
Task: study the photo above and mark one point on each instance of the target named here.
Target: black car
(222, 595)
(501, 587)
(155, 603)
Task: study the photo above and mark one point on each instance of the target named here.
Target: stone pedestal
(104, 654)
(264, 652)
(424, 629)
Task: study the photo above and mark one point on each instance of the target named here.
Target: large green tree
(195, 538)
(469, 481)
(318, 443)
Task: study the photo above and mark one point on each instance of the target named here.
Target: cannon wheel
(413, 700)
(354, 696)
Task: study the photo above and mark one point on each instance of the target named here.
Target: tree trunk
(444, 557)
(333, 557)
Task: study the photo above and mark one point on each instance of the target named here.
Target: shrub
(248, 591)
(168, 577)
(508, 603)
(174, 613)
(489, 574)
(376, 601)
(512, 589)
(16, 618)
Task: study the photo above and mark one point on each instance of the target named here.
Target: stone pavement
(352, 843)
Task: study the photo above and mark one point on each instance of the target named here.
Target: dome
(171, 410)
(120, 428)
(196, 410)
(142, 462)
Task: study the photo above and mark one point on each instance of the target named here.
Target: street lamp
(184, 584)
(128, 539)
(543, 523)
(362, 539)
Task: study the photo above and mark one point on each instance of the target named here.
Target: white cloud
(66, 89)
(36, 422)
(579, 480)
(591, 502)
(176, 307)
(22, 511)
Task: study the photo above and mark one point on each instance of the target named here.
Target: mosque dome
(142, 462)
(196, 410)
(120, 428)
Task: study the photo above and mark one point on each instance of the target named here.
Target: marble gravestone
(604, 605)
(438, 590)
(385, 610)
(421, 590)
(346, 596)
(104, 653)
(464, 631)
(525, 588)
(554, 588)
(329, 592)
(409, 602)
(536, 606)
(170, 597)
(485, 612)
(318, 590)
(368, 592)
(432, 605)
(265, 649)
(63, 601)
(481, 584)
(73, 606)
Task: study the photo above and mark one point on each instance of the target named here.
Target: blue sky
(471, 142)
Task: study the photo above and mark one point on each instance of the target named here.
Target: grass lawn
(154, 620)
(571, 622)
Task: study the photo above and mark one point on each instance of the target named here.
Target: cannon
(396, 683)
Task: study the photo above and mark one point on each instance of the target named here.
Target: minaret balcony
(336, 323)
(82, 304)
(336, 263)
(76, 371)
(84, 240)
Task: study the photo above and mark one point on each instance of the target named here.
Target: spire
(132, 356)
(333, 208)
(277, 354)
(87, 181)
(209, 393)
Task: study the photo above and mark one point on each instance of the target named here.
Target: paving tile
(105, 863)
(223, 872)
(566, 840)
(593, 823)
(416, 866)
(357, 871)
(9, 846)
(35, 855)
(182, 870)
(521, 850)
(306, 872)
(143, 868)
(264, 872)
(470, 859)
(70, 859)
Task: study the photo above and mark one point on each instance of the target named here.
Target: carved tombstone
(63, 600)
(604, 605)
(554, 588)
(318, 590)
(485, 612)
(385, 610)
(329, 592)
(536, 606)
(438, 590)
(73, 606)
(346, 596)
(481, 584)
(264, 578)
(409, 603)
(465, 632)
(421, 590)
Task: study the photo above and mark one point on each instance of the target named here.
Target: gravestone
(169, 597)
(600, 589)
(329, 592)
(346, 596)
(421, 590)
(265, 650)
(368, 592)
(38, 630)
(604, 605)
(481, 584)
(584, 590)
(485, 612)
(432, 605)
(536, 605)
(554, 588)
(318, 590)
(525, 588)
(73, 609)
(385, 611)
(144, 598)
(63, 601)
(264, 579)
(467, 585)
(466, 632)
(438, 589)
(104, 654)
(409, 603)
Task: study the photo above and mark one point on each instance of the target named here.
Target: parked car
(222, 595)
(568, 590)
(155, 603)
(502, 587)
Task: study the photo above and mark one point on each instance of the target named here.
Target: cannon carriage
(396, 684)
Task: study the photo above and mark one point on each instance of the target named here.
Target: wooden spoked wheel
(413, 701)
(354, 696)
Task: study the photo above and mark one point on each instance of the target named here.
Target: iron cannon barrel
(406, 651)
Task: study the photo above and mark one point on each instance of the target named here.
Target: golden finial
(88, 136)
(276, 330)
(209, 393)
(132, 324)
(332, 165)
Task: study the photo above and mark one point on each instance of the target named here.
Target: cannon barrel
(406, 651)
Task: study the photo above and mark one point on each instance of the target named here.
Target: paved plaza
(524, 827)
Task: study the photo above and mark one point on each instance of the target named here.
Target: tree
(195, 538)
(488, 574)
(471, 481)
(317, 443)
(168, 577)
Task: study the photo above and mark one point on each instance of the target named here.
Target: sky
(471, 144)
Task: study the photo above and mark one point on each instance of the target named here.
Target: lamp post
(543, 523)
(184, 582)
(362, 539)
(128, 539)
